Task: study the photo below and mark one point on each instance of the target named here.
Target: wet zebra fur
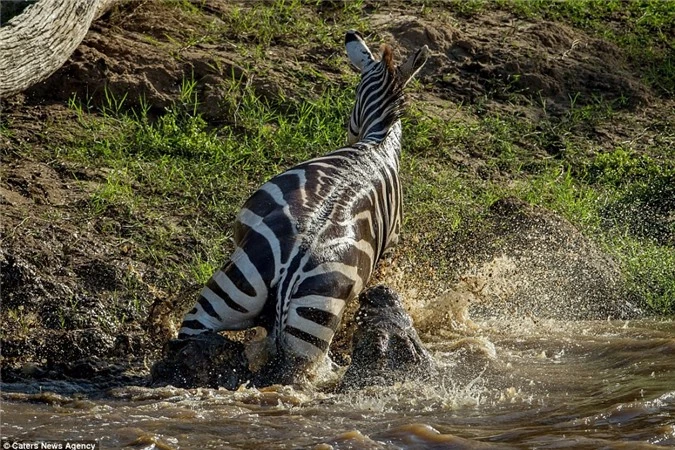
(308, 240)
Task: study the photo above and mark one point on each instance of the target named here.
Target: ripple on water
(542, 384)
(404, 437)
(643, 420)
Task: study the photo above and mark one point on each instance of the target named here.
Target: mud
(77, 299)
(208, 360)
(495, 59)
(496, 56)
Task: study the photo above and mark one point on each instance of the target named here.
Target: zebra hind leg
(304, 341)
(231, 300)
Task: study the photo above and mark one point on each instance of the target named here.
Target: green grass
(9, 10)
(179, 166)
(257, 26)
(621, 198)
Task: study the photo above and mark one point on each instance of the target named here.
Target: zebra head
(379, 95)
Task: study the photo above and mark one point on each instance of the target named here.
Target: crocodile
(385, 347)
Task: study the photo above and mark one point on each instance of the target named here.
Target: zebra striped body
(308, 240)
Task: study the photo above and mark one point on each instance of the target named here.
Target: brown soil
(72, 283)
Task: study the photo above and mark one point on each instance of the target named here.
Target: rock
(386, 347)
(206, 360)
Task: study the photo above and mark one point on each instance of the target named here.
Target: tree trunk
(34, 44)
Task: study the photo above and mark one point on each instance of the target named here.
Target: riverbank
(537, 168)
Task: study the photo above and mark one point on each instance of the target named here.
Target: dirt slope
(72, 286)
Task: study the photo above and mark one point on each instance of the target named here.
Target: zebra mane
(372, 122)
(395, 107)
(389, 111)
(388, 58)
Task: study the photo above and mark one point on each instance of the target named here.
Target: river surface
(508, 384)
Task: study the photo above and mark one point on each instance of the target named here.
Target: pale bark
(36, 43)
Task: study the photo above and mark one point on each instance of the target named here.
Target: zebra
(307, 242)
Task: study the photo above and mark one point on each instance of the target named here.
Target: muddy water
(520, 384)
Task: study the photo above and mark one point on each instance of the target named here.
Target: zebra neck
(388, 142)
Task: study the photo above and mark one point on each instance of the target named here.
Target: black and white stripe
(309, 239)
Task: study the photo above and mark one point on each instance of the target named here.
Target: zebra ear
(357, 50)
(413, 64)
